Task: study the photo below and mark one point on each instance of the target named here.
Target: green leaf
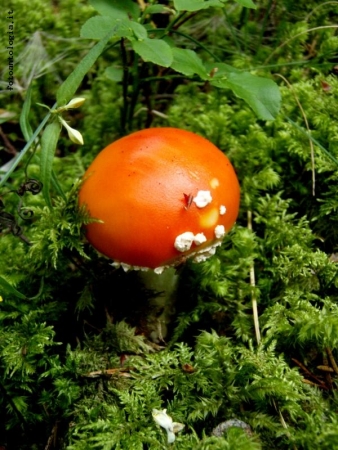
(246, 3)
(10, 289)
(24, 122)
(195, 5)
(56, 186)
(223, 70)
(71, 84)
(97, 27)
(188, 62)
(154, 50)
(114, 73)
(139, 31)
(49, 141)
(261, 94)
(156, 9)
(118, 9)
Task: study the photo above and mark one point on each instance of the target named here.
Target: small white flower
(74, 135)
(166, 422)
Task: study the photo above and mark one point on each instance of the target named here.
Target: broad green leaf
(156, 9)
(154, 50)
(24, 121)
(117, 9)
(195, 5)
(114, 73)
(7, 287)
(188, 62)
(68, 88)
(261, 94)
(222, 69)
(139, 31)
(49, 140)
(246, 3)
(97, 27)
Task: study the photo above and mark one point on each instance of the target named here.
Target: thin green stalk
(245, 15)
(327, 153)
(164, 77)
(171, 24)
(291, 63)
(23, 152)
(135, 89)
(324, 27)
(125, 83)
(190, 38)
(265, 21)
(308, 130)
(232, 31)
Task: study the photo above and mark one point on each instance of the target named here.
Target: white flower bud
(74, 135)
(75, 103)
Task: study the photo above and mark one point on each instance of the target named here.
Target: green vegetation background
(62, 325)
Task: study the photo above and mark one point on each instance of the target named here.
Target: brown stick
(332, 360)
(8, 146)
(308, 373)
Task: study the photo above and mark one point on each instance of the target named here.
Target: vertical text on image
(10, 48)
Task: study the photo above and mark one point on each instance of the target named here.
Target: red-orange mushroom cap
(161, 195)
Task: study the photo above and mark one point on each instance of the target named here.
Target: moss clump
(76, 369)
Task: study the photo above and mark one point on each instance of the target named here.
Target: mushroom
(161, 195)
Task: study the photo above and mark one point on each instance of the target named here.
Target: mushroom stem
(162, 305)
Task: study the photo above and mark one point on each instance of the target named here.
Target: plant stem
(164, 286)
(190, 38)
(312, 152)
(125, 81)
(135, 90)
(332, 360)
(253, 284)
(23, 152)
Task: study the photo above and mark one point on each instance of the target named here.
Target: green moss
(75, 365)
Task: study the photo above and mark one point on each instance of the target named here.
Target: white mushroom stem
(163, 280)
(163, 303)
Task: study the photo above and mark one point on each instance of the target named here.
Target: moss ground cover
(255, 332)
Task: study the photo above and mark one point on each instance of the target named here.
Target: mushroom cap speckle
(153, 186)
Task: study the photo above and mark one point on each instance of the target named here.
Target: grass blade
(71, 84)
(24, 122)
(10, 289)
(327, 153)
(49, 141)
